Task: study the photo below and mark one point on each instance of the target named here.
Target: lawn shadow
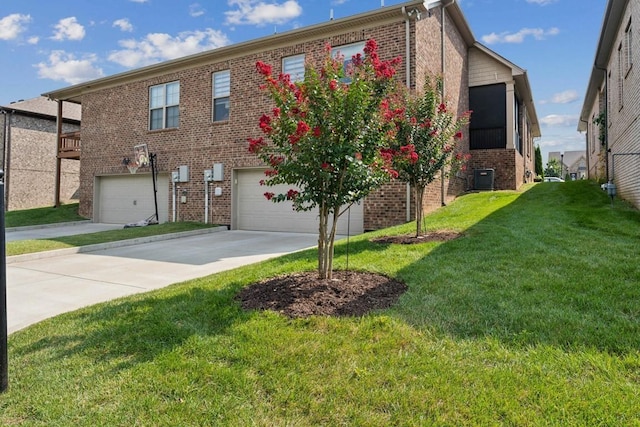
(126, 332)
(532, 273)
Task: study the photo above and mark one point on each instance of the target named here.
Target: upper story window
(164, 106)
(221, 92)
(621, 74)
(294, 66)
(628, 54)
(346, 53)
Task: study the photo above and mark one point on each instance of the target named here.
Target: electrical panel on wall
(183, 173)
(218, 172)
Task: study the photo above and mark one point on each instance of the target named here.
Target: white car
(553, 179)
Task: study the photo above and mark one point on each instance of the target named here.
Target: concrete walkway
(39, 288)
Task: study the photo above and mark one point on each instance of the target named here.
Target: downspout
(443, 70)
(407, 55)
(606, 115)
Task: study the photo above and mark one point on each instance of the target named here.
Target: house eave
(318, 31)
(614, 13)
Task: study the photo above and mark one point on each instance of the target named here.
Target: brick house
(34, 175)
(194, 114)
(613, 99)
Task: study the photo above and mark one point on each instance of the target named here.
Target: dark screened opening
(488, 126)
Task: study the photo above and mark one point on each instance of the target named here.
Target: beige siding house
(504, 120)
(34, 177)
(611, 108)
(210, 104)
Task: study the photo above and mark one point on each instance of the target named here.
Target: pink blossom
(333, 85)
(268, 195)
(264, 69)
(255, 144)
(292, 194)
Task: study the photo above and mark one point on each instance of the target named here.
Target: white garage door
(129, 198)
(255, 212)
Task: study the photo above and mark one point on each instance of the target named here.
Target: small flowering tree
(325, 136)
(427, 135)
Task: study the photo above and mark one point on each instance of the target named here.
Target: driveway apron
(41, 288)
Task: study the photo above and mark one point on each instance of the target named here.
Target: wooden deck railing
(69, 146)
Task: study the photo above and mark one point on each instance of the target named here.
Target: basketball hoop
(133, 167)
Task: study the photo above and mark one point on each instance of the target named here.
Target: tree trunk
(419, 210)
(326, 240)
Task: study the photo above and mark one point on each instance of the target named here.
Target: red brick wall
(116, 119)
(508, 167)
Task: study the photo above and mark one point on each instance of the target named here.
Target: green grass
(532, 318)
(38, 216)
(20, 247)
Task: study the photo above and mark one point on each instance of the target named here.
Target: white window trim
(295, 73)
(165, 105)
(215, 96)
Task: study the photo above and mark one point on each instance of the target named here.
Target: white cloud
(566, 97)
(33, 40)
(338, 2)
(158, 47)
(66, 67)
(560, 120)
(139, 1)
(68, 29)
(257, 12)
(123, 24)
(12, 25)
(541, 2)
(196, 10)
(519, 37)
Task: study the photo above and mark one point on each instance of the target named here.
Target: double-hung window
(164, 106)
(346, 53)
(221, 92)
(294, 66)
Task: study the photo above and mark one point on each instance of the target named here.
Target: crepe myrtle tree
(427, 142)
(325, 137)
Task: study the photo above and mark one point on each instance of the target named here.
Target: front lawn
(532, 317)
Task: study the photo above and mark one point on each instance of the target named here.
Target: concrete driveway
(41, 288)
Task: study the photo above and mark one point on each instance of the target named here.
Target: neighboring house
(613, 99)
(33, 175)
(504, 121)
(572, 163)
(196, 112)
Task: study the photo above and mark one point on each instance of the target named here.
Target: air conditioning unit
(483, 179)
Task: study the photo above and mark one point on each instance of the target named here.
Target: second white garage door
(255, 212)
(123, 199)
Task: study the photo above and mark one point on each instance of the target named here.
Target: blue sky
(46, 45)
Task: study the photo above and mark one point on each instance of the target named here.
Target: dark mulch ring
(349, 293)
(434, 236)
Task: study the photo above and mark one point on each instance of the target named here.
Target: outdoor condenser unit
(483, 179)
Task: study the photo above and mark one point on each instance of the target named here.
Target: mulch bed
(434, 236)
(349, 293)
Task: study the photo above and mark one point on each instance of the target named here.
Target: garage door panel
(129, 198)
(255, 212)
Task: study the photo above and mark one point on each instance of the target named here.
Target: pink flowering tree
(428, 137)
(325, 137)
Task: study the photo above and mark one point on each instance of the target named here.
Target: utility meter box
(611, 189)
(175, 176)
(218, 172)
(183, 173)
(208, 175)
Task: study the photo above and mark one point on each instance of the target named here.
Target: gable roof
(522, 85)
(313, 32)
(44, 108)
